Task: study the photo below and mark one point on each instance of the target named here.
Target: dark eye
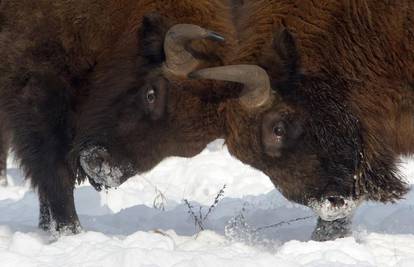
(151, 96)
(279, 130)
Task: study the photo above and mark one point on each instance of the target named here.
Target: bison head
(300, 129)
(142, 108)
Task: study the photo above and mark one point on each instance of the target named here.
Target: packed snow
(170, 217)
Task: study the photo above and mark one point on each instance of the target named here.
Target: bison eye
(279, 130)
(151, 96)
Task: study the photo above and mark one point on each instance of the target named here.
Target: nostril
(333, 207)
(94, 156)
(98, 165)
(336, 201)
(92, 159)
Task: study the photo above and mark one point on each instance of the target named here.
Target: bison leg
(329, 230)
(4, 147)
(57, 207)
(44, 213)
(38, 115)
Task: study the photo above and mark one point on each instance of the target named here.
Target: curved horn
(257, 91)
(178, 60)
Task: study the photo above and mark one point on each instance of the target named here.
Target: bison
(99, 90)
(327, 105)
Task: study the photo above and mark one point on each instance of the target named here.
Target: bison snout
(336, 201)
(333, 207)
(96, 163)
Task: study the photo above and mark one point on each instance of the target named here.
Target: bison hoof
(333, 207)
(95, 162)
(330, 230)
(60, 229)
(65, 229)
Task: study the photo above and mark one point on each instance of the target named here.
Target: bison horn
(257, 91)
(178, 60)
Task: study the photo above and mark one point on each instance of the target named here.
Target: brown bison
(331, 107)
(99, 89)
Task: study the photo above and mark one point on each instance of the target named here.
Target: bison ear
(151, 38)
(284, 45)
(281, 60)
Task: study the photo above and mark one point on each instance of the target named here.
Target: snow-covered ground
(146, 222)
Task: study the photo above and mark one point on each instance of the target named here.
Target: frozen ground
(145, 222)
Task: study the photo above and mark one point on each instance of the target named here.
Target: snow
(146, 222)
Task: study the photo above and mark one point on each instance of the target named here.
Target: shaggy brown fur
(345, 72)
(81, 68)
